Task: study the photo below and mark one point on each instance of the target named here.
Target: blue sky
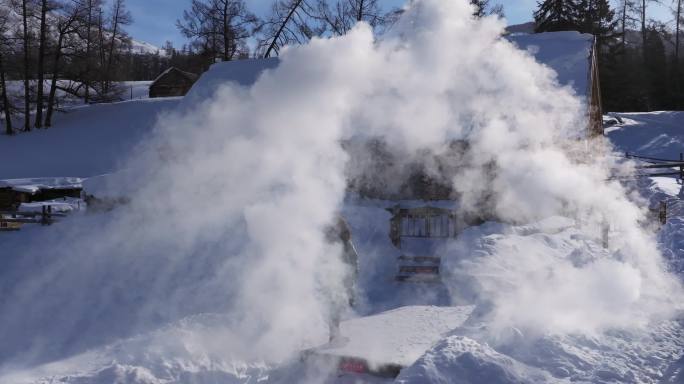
(154, 20)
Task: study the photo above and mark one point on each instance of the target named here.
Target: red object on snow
(353, 366)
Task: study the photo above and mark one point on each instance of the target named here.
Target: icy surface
(398, 336)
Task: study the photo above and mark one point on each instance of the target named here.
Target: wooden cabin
(172, 82)
(13, 193)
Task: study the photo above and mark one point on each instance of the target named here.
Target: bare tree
(89, 25)
(627, 8)
(67, 26)
(5, 48)
(678, 24)
(45, 7)
(120, 16)
(643, 18)
(220, 28)
(342, 15)
(484, 8)
(26, 13)
(289, 23)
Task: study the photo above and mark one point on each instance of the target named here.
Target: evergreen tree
(597, 18)
(557, 15)
(656, 71)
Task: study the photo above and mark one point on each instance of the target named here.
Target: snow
(398, 336)
(460, 360)
(668, 185)
(139, 89)
(143, 47)
(655, 134)
(83, 142)
(241, 72)
(34, 185)
(567, 53)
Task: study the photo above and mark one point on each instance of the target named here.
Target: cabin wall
(595, 128)
(170, 85)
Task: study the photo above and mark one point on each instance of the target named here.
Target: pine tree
(597, 18)
(656, 70)
(557, 15)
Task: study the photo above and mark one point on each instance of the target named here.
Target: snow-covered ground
(655, 134)
(84, 141)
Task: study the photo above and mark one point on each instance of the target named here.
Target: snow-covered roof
(399, 336)
(35, 185)
(242, 72)
(568, 53)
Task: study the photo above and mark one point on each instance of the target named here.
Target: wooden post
(605, 231)
(662, 213)
(681, 166)
(49, 211)
(43, 215)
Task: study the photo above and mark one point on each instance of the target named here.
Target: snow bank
(460, 360)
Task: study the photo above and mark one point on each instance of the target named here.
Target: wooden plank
(18, 220)
(664, 165)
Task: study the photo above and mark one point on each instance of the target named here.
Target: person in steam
(339, 233)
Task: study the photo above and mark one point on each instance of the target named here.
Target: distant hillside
(136, 46)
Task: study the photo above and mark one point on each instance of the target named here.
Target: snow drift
(230, 201)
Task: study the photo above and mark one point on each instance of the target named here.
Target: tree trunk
(103, 54)
(359, 15)
(89, 41)
(678, 80)
(643, 24)
(27, 85)
(53, 84)
(624, 24)
(282, 27)
(5, 100)
(677, 29)
(41, 63)
(226, 33)
(112, 42)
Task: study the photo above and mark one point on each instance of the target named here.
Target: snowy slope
(85, 141)
(655, 134)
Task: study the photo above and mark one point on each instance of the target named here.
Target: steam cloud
(230, 217)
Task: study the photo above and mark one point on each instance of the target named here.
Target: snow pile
(460, 360)
(231, 197)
